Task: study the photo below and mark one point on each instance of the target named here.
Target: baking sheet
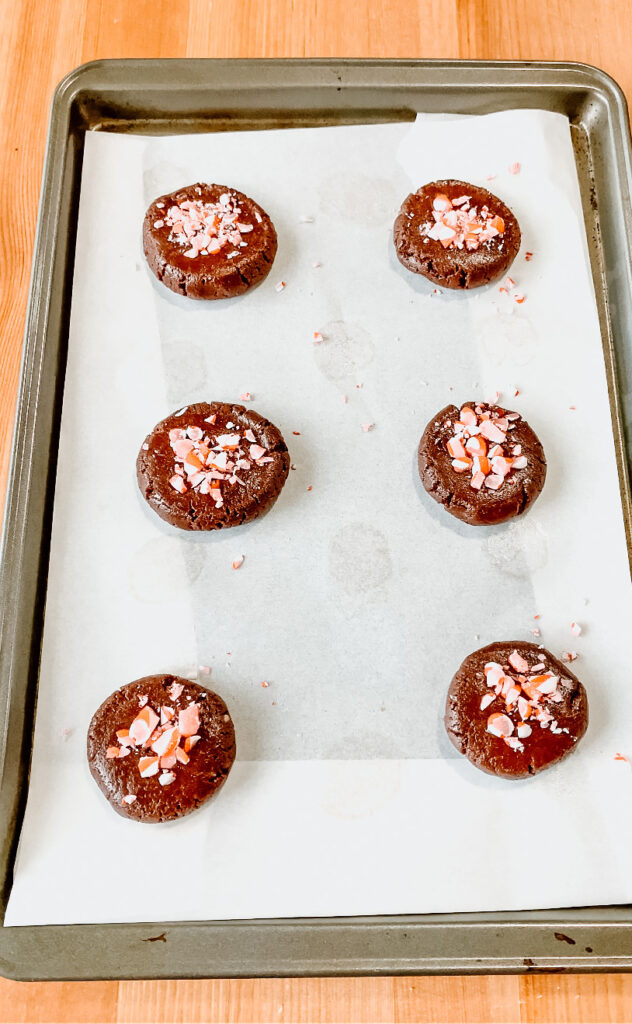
(356, 603)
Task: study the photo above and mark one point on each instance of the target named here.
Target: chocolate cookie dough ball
(160, 747)
(513, 709)
(456, 235)
(208, 241)
(481, 462)
(209, 466)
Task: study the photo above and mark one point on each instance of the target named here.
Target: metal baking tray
(170, 96)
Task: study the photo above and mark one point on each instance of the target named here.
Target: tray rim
(535, 926)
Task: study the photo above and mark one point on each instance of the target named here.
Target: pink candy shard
(548, 685)
(500, 725)
(518, 662)
(494, 675)
(189, 720)
(166, 778)
(256, 451)
(178, 483)
(486, 700)
(143, 725)
(179, 755)
(524, 707)
(166, 742)
(492, 432)
(182, 447)
(148, 766)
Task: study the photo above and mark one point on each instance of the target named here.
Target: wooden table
(40, 40)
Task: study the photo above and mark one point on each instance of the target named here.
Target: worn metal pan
(160, 96)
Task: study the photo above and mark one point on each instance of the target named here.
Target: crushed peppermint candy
(514, 168)
(207, 461)
(237, 564)
(161, 739)
(279, 286)
(576, 629)
(204, 229)
(527, 694)
(480, 446)
(458, 224)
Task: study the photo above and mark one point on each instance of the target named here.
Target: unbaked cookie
(160, 747)
(209, 466)
(457, 235)
(483, 463)
(513, 709)
(208, 241)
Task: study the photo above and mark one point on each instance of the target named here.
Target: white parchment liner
(358, 599)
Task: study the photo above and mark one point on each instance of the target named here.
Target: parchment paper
(359, 598)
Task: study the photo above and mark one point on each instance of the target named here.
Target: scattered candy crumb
(576, 629)
(237, 564)
(317, 263)
(344, 398)
(514, 168)
(309, 488)
(535, 632)
(245, 396)
(279, 286)
(367, 426)
(528, 256)
(620, 757)
(296, 433)
(317, 337)
(265, 684)
(306, 218)
(569, 655)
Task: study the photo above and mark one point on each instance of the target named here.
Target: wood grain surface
(40, 40)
